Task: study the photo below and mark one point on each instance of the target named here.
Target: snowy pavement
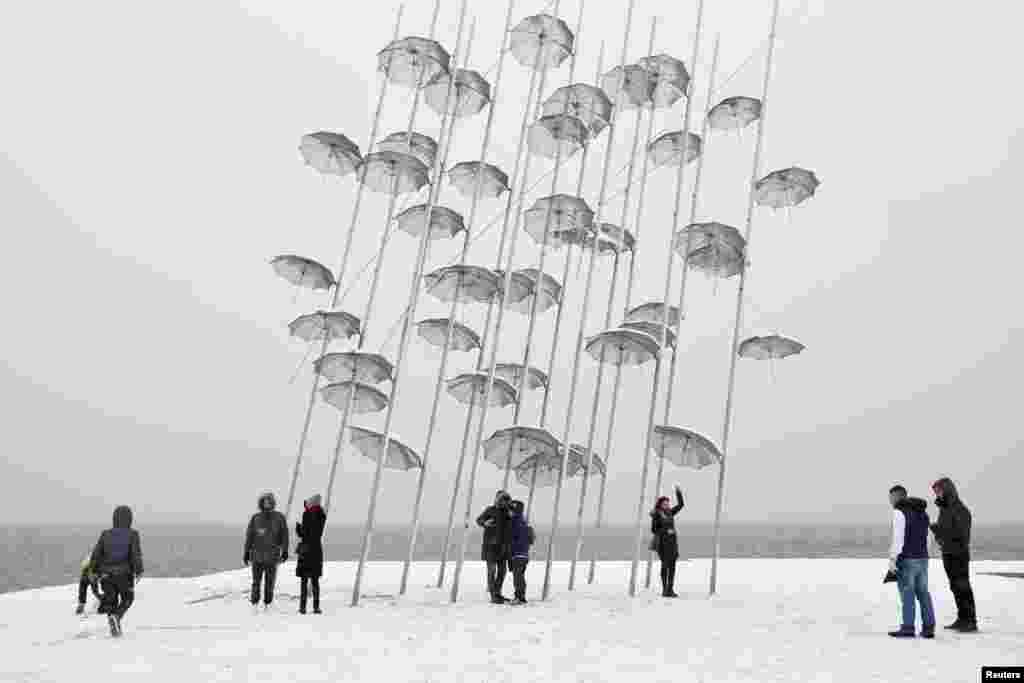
(773, 620)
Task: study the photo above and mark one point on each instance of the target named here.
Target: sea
(38, 556)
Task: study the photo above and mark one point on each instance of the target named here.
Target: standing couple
(908, 557)
(506, 545)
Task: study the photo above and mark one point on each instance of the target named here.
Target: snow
(773, 620)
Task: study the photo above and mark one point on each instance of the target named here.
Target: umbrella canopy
(547, 467)
(368, 368)
(788, 187)
(370, 444)
(623, 346)
(444, 223)
(520, 287)
(557, 136)
(330, 153)
(588, 103)
(472, 92)
(394, 172)
(364, 398)
(654, 312)
(605, 237)
(303, 272)
(715, 248)
(541, 42)
(667, 148)
(524, 443)
(471, 387)
(513, 372)
(464, 177)
(324, 325)
(412, 61)
(684, 448)
(578, 456)
(421, 146)
(463, 283)
(655, 330)
(435, 332)
(734, 113)
(769, 348)
(550, 293)
(635, 83)
(670, 77)
(556, 214)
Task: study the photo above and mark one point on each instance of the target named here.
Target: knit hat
(314, 501)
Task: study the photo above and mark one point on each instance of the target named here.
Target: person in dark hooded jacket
(665, 542)
(117, 559)
(266, 544)
(495, 550)
(310, 565)
(520, 539)
(953, 532)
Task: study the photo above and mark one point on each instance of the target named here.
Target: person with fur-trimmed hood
(266, 545)
(495, 549)
(953, 532)
(117, 559)
(310, 552)
(664, 540)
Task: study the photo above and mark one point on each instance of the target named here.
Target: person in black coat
(117, 559)
(496, 549)
(310, 552)
(665, 542)
(266, 544)
(953, 532)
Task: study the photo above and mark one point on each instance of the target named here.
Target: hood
(916, 504)
(949, 493)
(314, 502)
(122, 517)
(270, 500)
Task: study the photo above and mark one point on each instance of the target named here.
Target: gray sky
(150, 171)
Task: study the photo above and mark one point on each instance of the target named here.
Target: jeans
(518, 567)
(267, 574)
(495, 576)
(118, 594)
(912, 581)
(958, 571)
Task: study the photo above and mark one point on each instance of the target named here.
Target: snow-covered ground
(773, 620)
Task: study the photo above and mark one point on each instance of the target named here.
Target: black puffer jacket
(119, 549)
(663, 526)
(266, 538)
(953, 528)
(497, 541)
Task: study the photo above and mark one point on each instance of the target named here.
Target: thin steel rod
(756, 172)
(445, 137)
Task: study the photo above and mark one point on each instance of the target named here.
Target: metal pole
(337, 287)
(583, 319)
(739, 299)
(578, 546)
(447, 130)
(439, 383)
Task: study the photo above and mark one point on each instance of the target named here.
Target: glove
(892, 566)
(298, 529)
(284, 557)
(245, 560)
(489, 522)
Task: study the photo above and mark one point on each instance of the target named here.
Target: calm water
(46, 556)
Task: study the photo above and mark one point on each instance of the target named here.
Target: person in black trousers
(665, 542)
(117, 558)
(496, 547)
(953, 533)
(310, 552)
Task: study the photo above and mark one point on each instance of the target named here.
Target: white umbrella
(361, 397)
(369, 368)
(324, 325)
(330, 153)
(303, 272)
(370, 443)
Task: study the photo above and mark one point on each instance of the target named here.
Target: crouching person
(117, 559)
(522, 538)
(88, 580)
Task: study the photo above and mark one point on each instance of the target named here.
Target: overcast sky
(149, 172)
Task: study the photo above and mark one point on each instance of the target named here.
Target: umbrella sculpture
(547, 467)
(370, 444)
(588, 103)
(355, 397)
(462, 283)
(466, 176)
(654, 329)
(734, 113)
(392, 172)
(550, 293)
(788, 187)
(654, 312)
(684, 448)
(558, 136)
(368, 368)
(671, 79)
(471, 387)
(303, 272)
(324, 325)
(541, 42)
(512, 373)
(635, 83)
(519, 443)
(472, 93)
(412, 61)
(444, 223)
(330, 153)
(520, 287)
(667, 148)
(421, 146)
(623, 346)
(772, 347)
(714, 248)
(435, 332)
(557, 213)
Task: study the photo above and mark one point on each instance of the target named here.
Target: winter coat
(520, 537)
(496, 545)
(663, 526)
(266, 538)
(914, 545)
(310, 551)
(119, 549)
(953, 528)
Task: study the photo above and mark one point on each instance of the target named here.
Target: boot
(967, 627)
(904, 632)
(80, 609)
(955, 626)
(112, 623)
(928, 632)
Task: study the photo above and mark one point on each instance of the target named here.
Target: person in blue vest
(117, 559)
(908, 558)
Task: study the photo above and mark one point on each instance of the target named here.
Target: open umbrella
(588, 103)
(557, 136)
(524, 442)
(303, 272)
(370, 444)
(715, 248)
(557, 213)
(655, 330)
(368, 368)
(734, 113)
(364, 398)
(470, 388)
(670, 77)
(634, 81)
(772, 347)
(423, 147)
(684, 448)
(513, 372)
(324, 325)
(330, 153)
(444, 223)
(550, 293)
(412, 61)
(471, 94)
(464, 177)
(666, 149)
(654, 312)
(541, 42)
(435, 332)
(519, 289)
(394, 172)
(463, 283)
(788, 187)
(623, 346)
